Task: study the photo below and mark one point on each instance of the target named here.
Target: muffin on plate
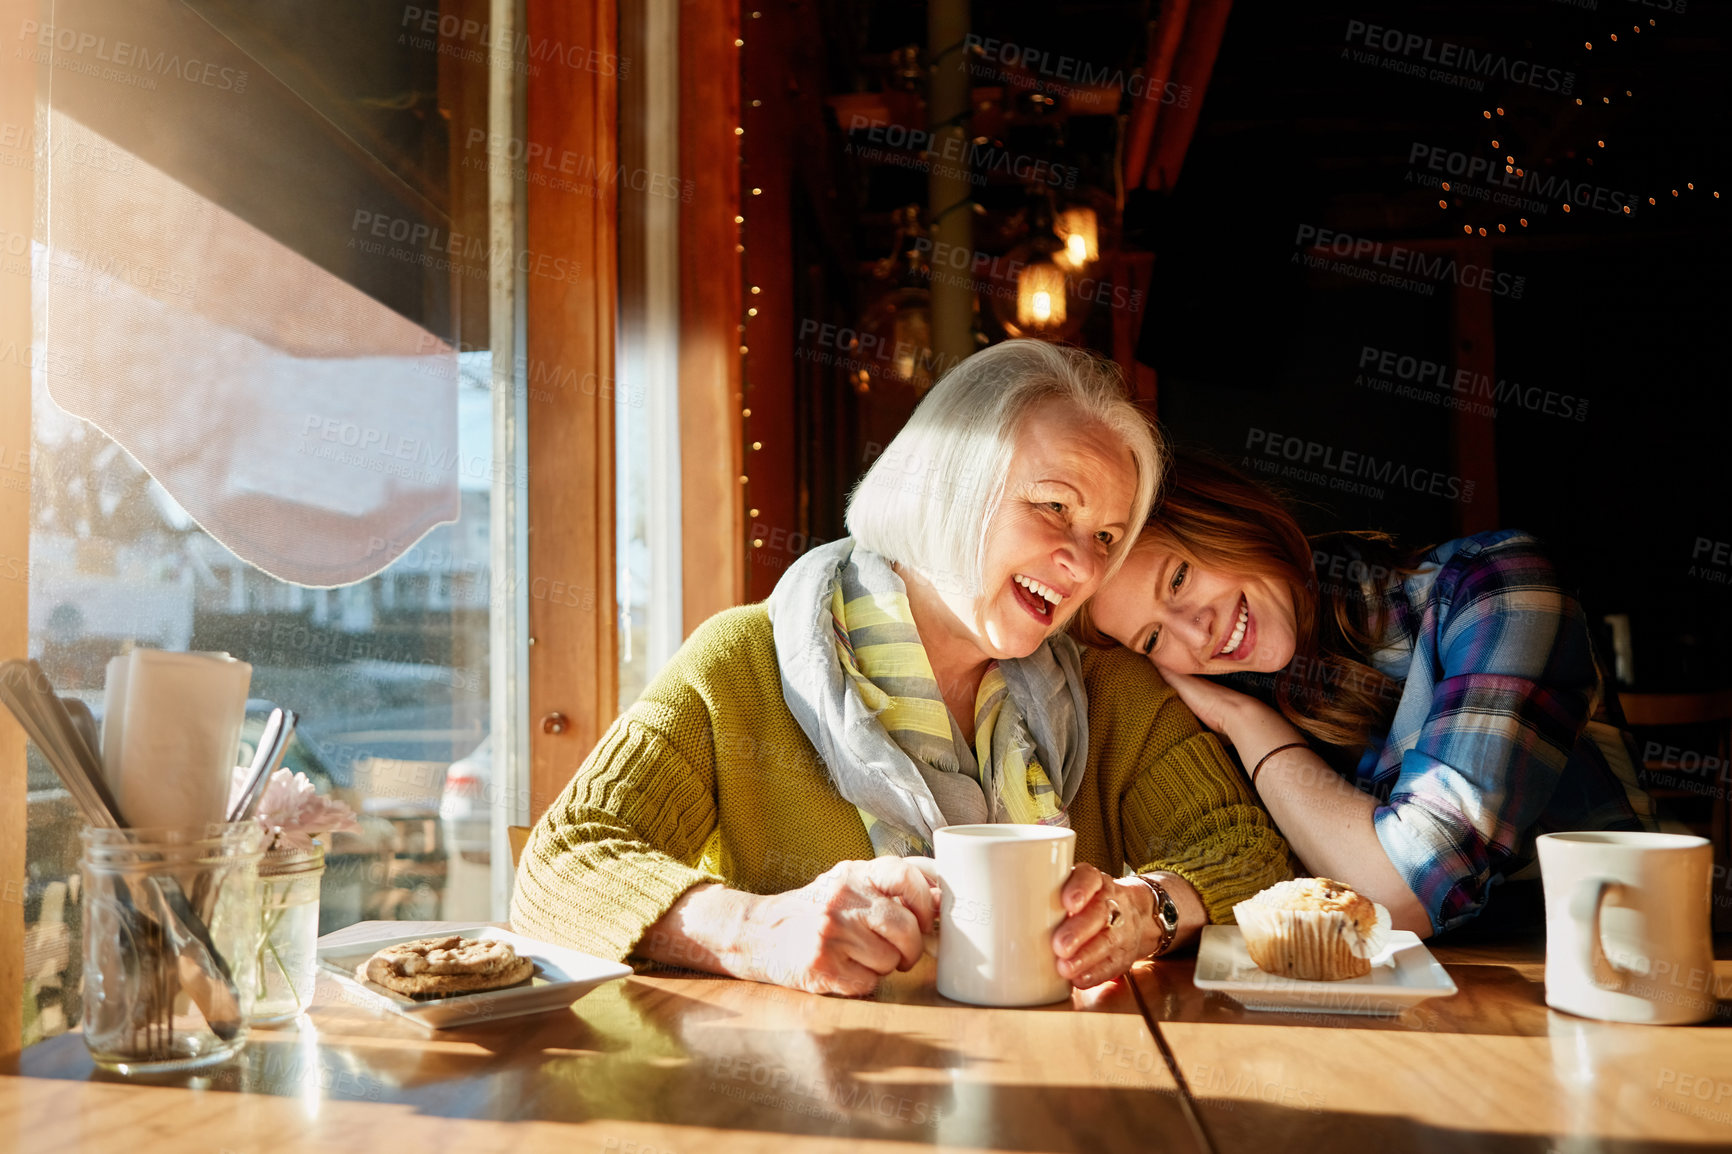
(1312, 928)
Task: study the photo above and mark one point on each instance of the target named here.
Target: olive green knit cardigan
(709, 778)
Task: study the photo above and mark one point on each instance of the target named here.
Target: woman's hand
(849, 927)
(1214, 704)
(1090, 951)
(1224, 711)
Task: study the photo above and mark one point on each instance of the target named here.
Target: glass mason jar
(171, 924)
(288, 932)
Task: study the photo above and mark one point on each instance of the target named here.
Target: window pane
(646, 410)
(390, 677)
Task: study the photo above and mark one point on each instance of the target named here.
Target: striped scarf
(862, 687)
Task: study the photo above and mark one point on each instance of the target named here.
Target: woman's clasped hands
(861, 920)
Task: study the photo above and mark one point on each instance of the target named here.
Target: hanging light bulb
(1040, 303)
(1033, 291)
(1079, 229)
(896, 331)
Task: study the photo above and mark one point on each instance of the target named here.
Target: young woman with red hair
(1411, 721)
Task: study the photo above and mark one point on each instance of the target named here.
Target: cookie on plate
(1312, 928)
(434, 967)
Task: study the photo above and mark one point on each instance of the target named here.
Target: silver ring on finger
(1114, 914)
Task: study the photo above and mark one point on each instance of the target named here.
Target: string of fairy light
(1518, 170)
(752, 290)
(1512, 167)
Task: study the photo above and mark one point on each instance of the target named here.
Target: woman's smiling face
(1066, 504)
(1188, 618)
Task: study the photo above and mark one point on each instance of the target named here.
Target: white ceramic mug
(1000, 906)
(1627, 926)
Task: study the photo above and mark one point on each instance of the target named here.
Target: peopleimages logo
(54, 360)
(933, 152)
(1059, 73)
(27, 146)
(434, 247)
(535, 161)
(993, 275)
(1433, 377)
(121, 54)
(1411, 261)
(521, 44)
(1359, 467)
(1454, 61)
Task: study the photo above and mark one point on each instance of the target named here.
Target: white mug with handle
(999, 907)
(1627, 926)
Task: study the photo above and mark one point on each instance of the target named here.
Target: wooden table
(679, 1064)
(1488, 1069)
(654, 1064)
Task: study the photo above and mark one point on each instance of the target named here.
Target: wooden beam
(1205, 23)
(572, 265)
(1131, 272)
(1473, 434)
(1163, 49)
(712, 504)
(17, 199)
(950, 191)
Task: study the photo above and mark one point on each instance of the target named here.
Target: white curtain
(219, 287)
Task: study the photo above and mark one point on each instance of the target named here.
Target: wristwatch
(1166, 914)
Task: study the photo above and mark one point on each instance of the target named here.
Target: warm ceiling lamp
(1040, 304)
(1035, 294)
(896, 332)
(1079, 229)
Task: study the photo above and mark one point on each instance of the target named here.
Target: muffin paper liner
(1315, 945)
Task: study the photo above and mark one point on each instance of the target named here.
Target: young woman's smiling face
(1066, 504)
(1188, 618)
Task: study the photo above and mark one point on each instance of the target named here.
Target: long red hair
(1215, 517)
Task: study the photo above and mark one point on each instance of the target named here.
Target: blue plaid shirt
(1502, 732)
(1502, 729)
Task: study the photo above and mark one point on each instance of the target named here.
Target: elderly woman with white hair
(761, 809)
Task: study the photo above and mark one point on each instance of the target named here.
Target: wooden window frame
(572, 109)
(17, 211)
(712, 292)
(574, 656)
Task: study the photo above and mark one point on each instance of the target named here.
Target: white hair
(927, 501)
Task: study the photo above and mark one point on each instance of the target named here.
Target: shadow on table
(1271, 1129)
(1500, 982)
(757, 1060)
(745, 1057)
(349, 1062)
(1502, 1000)
(741, 1057)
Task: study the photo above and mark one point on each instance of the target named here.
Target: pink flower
(293, 812)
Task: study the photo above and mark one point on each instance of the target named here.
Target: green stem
(288, 980)
(268, 925)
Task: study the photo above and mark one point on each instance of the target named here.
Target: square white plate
(561, 977)
(1408, 978)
